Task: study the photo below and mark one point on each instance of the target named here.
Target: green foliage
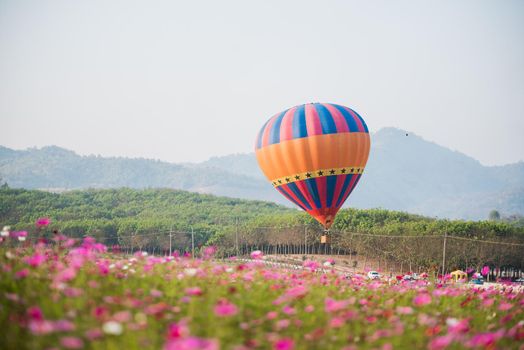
(494, 215)
(126, 211)
(114, 212)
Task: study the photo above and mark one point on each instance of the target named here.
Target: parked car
(408, 278)
(477, 280)
(373, 275)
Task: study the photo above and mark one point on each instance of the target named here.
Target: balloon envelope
(314, 155)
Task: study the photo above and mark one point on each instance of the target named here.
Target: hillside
(404, 173)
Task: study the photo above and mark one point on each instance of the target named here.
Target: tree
(494, 215)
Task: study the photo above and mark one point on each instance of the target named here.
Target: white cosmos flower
(112, 327)
(190, 271)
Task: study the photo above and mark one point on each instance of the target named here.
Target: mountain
(57, 169)
(404, 172)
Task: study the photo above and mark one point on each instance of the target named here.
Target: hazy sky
(186, 80)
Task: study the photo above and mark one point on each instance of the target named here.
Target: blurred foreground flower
(5, 231)
(112, 328)
(21, 235)
(256, 255)
(41, 222)
(224, 308)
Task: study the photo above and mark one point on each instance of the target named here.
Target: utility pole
(192, 242)
(444, 254)
(236, 236)
(170, 246)
(305, 240)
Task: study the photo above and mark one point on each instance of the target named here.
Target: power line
(489, 242)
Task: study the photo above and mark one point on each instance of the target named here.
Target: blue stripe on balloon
(351, 189)
(326, 119)
(299, 122)
(293, 187)
(350, 120)
(331, 183)
(281, 190)
(362, 120)
(274, 133)
(344, 188)
(313, 192)
(259, 139)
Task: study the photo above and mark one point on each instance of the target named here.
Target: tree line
(160, 220)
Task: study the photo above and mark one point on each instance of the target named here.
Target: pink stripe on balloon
(265, 135)
(338, 189)
(322, 190)
(357, 120)
(290, 193)
(312, 121)
(301, 185)
(286, 127)
(338, 118)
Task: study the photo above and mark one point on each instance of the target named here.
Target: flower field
(78, 295)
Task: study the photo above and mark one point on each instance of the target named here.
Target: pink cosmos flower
(40, 327)
(209, 252)
(309, 308)
(94, 334)
(282, 324)
(122, 316)
(35, 260)
(63, 326)
(22, 273)
(65, 275)
(440, 343)
(288, 310)
(192, 343)
(156, 293)
(284, 344)
(312, 265)
(42, 222)
(457, 326)
(21, 235)
(177, 330)
(35, 313)
(404, 310)
(71, 342)
(505, 306)
(336, 322)
(256, 255)
(224, 308)
(332, 305)
(297, 292)
(488, 302)
(422, 299)
(485, 339)
(271, 315)
(485, 270)
(194, 291)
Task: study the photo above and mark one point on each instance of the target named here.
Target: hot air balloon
(314, 155)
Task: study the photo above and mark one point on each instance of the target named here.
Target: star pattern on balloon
(349, 170)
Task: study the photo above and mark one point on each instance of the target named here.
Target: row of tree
(161, 220)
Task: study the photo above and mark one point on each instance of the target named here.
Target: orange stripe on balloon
(312, 153)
